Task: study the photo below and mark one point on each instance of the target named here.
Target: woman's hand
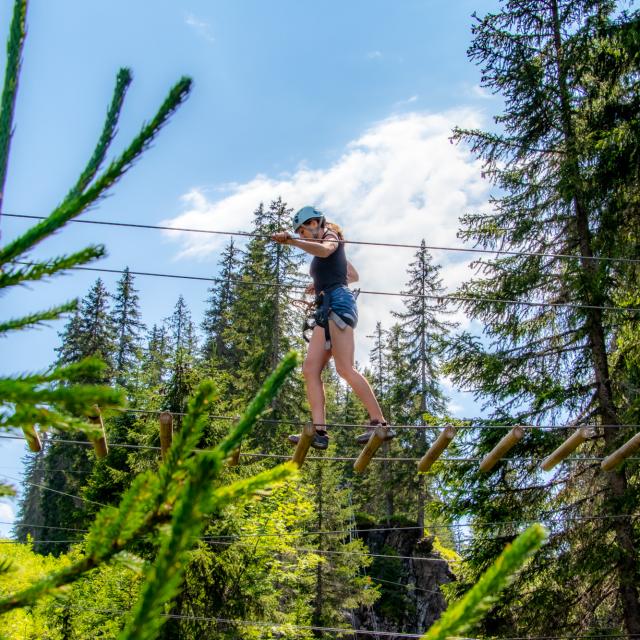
(310, 290)
(282, 237)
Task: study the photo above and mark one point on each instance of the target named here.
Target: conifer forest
(161, 497)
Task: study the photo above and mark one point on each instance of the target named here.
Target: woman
(336, 318)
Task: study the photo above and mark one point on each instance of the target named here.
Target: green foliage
(265, 324)
(127, 328)
(26, 567)
(250, 567)
(388, 570)
(47, 400)
(567, 72)
(17, 34)
(179, 495)
(460, 616)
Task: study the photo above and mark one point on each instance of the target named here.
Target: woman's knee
(311, 370)
(346, 371)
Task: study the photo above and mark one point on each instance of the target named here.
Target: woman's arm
(322, 249)
(352, 274)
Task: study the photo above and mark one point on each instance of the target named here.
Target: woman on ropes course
(336, 317)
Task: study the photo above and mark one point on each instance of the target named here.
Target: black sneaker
(363, 438)
(320, 440)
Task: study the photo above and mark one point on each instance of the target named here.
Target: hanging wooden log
(99, 442)
(506, 444)
(375, 441)
(567, 447)
(306, 438)
(32, 438)
(614, 459)
(166, 432)
(436, 449)
(234, 458)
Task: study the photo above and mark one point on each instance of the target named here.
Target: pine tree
(424, 333)
(217, 317)
(265, 323)
(155, 359)
(170, 504)
(340, 583)
(29, 518)
(90, 332)
(182, 360)
(379, 369)
(127, 328)
(401, 372)
(543, 363)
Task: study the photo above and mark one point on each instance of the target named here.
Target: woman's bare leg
(343, 349)
(315, 361)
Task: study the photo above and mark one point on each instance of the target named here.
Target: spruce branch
(178, 492)
(17, 34)
(248, 486)
(164, 579)
(259, 403)
(37, 319)
(76, 372)
(468, 610)
(39, 270)
(6, 490)
(6, 565)
(123, 81)
(73, 206)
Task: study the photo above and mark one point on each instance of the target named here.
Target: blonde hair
(332, 226)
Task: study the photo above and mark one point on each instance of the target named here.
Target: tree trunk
(317, 613)
(615, 480)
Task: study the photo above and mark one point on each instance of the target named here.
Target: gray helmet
(304, 215)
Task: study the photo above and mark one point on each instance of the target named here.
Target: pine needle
(461, 615)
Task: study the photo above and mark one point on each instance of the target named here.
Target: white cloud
(374, 55)
(201, 27)
(7, 514)
(403, 103)
(401, 181)
(480, 92)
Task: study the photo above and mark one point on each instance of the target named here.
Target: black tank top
(330, 271)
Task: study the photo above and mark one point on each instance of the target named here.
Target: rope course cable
(277, 625)
(246, 234)
(345, 532)
(297, 549)
(301, 423)
(46, 488)
(442, 299)
(382, 634)
(275, 456)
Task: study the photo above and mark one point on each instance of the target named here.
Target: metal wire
(246, 234)
(276, 456)
(176, 616)
(297, 549)
(329, 458)
(385, 634)
(62, 493)
(442, 299)
(301, 423)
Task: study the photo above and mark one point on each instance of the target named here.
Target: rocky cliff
(409, 574)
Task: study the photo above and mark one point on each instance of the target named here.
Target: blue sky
(348, 104)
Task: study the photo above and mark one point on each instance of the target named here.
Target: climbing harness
(325, 312)
(316, 312)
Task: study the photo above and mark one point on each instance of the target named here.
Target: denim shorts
(339, 305)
